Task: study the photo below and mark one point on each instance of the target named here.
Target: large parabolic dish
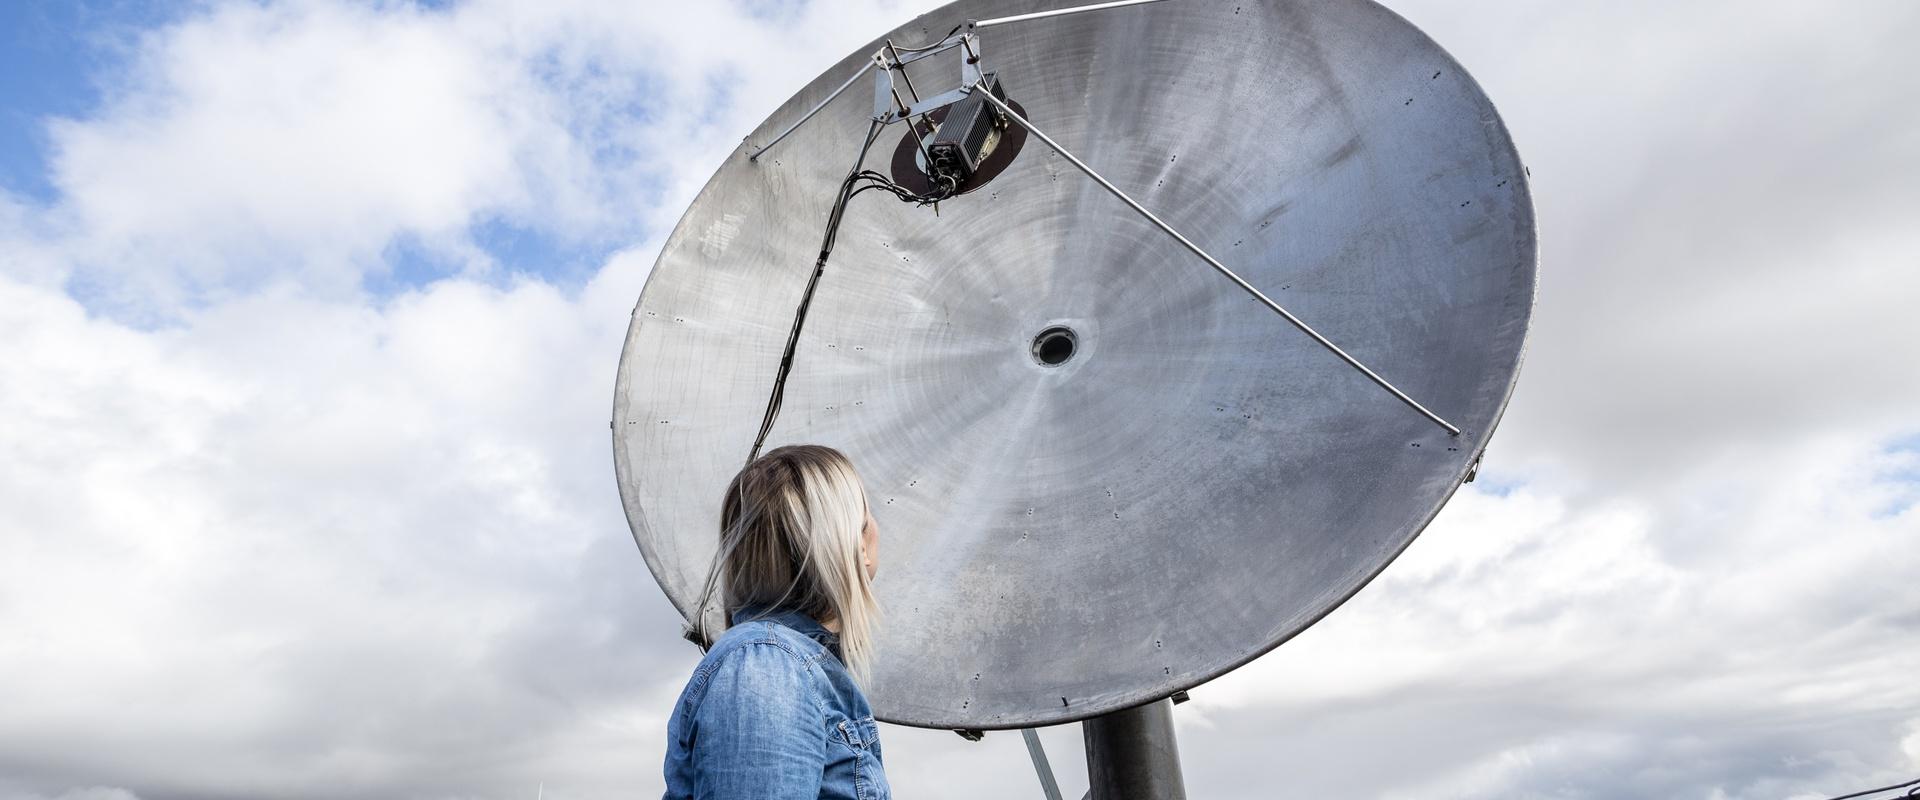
(1197, 481)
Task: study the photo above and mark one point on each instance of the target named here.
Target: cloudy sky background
(309, 315)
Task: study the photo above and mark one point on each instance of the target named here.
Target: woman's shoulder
(751, 683)
(750, 663)
(761, 646)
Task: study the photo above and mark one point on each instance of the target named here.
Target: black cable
(858, 180)
(1915, 783)
(806, 297)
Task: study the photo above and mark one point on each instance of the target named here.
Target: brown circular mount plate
(908, 171)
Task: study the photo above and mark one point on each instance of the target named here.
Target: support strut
(1222, 268)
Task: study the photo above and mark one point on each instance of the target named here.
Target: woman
(775, 709)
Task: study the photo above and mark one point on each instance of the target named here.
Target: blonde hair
(790, 538)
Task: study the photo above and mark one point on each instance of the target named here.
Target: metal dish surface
(1198, 481)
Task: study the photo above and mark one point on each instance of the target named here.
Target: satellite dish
(1103, 473)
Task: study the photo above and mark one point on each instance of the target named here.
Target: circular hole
(1054, 346)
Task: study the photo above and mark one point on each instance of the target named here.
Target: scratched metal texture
(1200, 482)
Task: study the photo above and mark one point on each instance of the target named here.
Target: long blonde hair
(790, 538)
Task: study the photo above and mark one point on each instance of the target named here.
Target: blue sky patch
(772, 10)
(1903, 476)
(411, 263)
(50, 56)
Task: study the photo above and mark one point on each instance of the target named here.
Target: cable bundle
(858, 180)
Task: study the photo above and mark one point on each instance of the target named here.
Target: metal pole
(895, 52)
(755, 155)
(1048, 786)
(912, 125)
(1059, 12)
(1222, 268)
(1132, 755)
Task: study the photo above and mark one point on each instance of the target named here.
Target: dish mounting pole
(1132, 754)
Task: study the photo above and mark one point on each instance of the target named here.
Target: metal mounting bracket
(888, 104)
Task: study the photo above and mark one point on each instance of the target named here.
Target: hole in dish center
(1054, 346)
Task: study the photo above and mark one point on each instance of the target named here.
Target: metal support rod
(908, 79)
(906, 112)
(1039, 754)
(897, 102)
(755, 155)
(1222, 268)
(1132, 755)
(912, 124)
(1058, 12)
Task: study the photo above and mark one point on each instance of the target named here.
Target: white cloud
(300, 140)
(303, 138)
(1707, 284)
(297, 544)
(1523, 641)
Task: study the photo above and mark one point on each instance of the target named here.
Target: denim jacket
(771, 712)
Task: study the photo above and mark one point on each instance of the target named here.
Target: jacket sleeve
(759, 734)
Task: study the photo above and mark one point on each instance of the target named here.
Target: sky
(310, 312)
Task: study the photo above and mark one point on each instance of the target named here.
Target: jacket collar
(791, 618)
